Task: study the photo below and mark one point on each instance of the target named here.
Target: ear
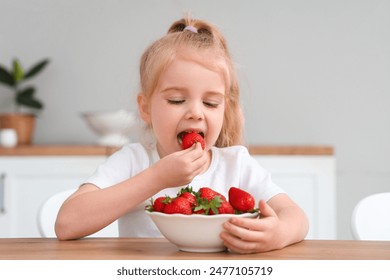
(143, 108)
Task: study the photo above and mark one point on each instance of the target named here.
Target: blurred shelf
(292, 150)
(58, 150)
(91, 150)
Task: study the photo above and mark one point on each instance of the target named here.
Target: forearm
(90, 210)
(293, 225)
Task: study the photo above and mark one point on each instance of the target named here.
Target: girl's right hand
(179, 168)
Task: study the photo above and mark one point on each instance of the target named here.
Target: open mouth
(181, 135)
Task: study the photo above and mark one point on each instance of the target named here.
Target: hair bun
(184, 24)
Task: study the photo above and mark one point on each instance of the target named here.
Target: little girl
(188, 83)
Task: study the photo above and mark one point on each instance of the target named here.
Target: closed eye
(210, 104)
(175, 102)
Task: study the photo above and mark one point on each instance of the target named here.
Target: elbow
(63, 231)
(60, 231)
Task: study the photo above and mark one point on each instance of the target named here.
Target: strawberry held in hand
(190, 139)
(241, 200)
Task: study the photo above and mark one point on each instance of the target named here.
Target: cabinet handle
(2, 193)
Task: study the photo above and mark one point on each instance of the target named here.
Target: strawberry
(225, 208)
(188, 193)
(208, 207)
(190, 139)
(159, 203)
(209, 194)
(210, 202)
(213, 207)
(241, 200)
(190, 197)
(178, 205)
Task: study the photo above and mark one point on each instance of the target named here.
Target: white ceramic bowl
(194, 233)
(114, 128)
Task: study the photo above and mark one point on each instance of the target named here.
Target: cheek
(221, 114)
(163, 120)
(217, 121)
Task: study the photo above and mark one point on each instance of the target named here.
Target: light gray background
(311, 72)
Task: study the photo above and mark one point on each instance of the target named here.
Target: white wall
(312, 72)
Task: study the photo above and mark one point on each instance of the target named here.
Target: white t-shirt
(231, 166)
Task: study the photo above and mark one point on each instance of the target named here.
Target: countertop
(95, 150)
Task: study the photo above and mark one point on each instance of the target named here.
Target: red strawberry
(190, 197)
(225, 208)
(159, 203)
(241, 200)
(188, 193)
(178, 205)
(209, 202)
(190, 139)
(199, 211)
(208, 207)
(209, 194)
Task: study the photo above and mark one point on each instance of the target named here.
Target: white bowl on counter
(114, 128)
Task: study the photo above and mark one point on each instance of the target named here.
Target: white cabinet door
(309, 181)
(26, 182)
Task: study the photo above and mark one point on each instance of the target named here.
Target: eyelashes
(175, 102)
(206, 103)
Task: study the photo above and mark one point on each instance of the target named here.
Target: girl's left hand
(243, 235)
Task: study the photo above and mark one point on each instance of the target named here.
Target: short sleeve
(120, 166)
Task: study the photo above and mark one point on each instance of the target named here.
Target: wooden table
(158, 248)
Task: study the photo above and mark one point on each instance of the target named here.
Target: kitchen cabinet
(30, 175)
(27, 181)
(309, 181)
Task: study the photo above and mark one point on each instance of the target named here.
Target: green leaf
(6, 77)
(215, 203)
(149, 207)
(18, 71)
(26, 98)
(26, 93)
(186, 189)
(206, 205)
(36, 69)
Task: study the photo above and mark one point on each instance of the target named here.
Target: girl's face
(188, 97)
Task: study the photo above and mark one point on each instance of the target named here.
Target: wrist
(156, 177)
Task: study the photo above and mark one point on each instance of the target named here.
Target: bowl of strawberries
(193, 220)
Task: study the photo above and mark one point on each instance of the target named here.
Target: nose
(195, 111)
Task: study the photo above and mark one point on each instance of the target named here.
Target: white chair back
(371, 218)
(47, 216)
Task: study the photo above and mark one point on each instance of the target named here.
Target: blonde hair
(192, 39)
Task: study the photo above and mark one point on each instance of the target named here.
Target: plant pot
(24, 125)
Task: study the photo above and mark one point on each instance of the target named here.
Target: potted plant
(24, 96)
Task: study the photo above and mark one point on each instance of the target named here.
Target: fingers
(183, 166)
(245, 235)
(243, 240)
(193, 153)
(266, 210)
(242, 247)
(196, 150)
(197, 156)
(244, 228)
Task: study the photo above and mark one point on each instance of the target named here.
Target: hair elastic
(191, 28)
